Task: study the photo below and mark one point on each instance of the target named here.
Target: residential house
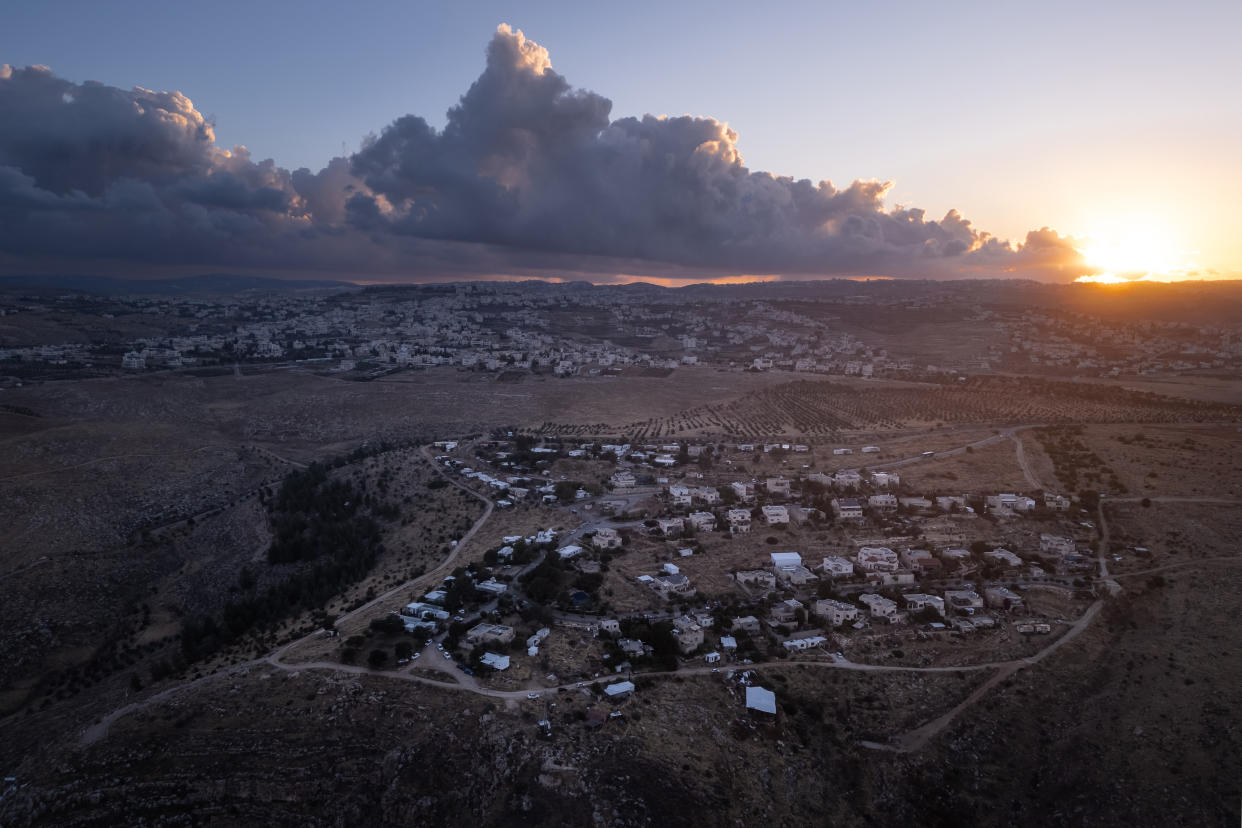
(775, 515)
(492, 587)
(495, 661)
(847, 508)
(1003, 557)
(623, 480)
(879, 606)
(567, 552)
(877, 559)
(756, 578)
(619, 690)
(670, 527)
(680, 496)
(885, 479)
(883, 502)
(948, 503)
(1055, 547)
(785, 612)
(806, 643)
(706, 494)
(1057, 503)
(958, 555)
(606, 538)
(837, 567)
(673, 586)
(703, 521)
(795, 575)
(745, 491)
(999, 597)
(964, 600)
(847, 477)
(425, 612)
(610, 626)
(1003, 504)
(688, 633)
(747, 623)
(922, 562)
(917, 601)
(739, 520)
(835, 612)
(778, 486)
(489, 634)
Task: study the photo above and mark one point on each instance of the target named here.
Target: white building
(834, 612)
(606, 538)
(837, 567)
(775, 515)
(880, 606)
(877, 559)
(916, 601)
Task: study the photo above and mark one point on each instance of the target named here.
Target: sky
(1116, 126)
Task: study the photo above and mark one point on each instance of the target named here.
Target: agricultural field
(808, 408)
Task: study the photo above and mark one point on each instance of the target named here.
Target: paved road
(1004, 434)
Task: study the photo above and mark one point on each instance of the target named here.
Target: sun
(1135, 250)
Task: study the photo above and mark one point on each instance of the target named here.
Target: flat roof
(760, 699)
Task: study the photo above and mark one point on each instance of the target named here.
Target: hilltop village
(707, 555)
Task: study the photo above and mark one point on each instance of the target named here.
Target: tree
(565, 490)
(389, 625)
(404, 650)
(377, 659)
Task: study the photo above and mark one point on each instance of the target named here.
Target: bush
(377, 659)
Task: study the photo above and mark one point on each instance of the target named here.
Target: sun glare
(1136, 250)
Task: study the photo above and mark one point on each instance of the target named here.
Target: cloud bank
(529, 176)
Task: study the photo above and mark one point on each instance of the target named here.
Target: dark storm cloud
(526, 161)
(528, 176)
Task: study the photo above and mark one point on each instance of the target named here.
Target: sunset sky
(1116, 126)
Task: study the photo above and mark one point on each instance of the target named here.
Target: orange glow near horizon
(1137, 248)
(661, 281)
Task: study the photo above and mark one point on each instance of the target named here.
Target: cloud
(529, 175)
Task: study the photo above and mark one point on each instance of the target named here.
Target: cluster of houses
(876, 583)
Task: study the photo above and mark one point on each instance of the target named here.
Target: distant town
(579, 330)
